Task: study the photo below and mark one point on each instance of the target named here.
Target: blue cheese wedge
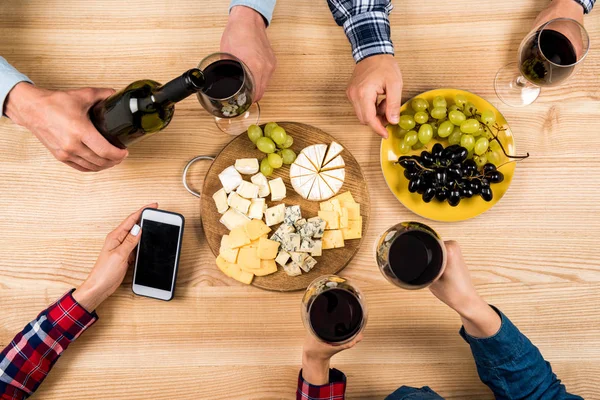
(247, 190)
(275, 214)
(246, 166)
(230, 179)
(292, 269)
(263, 184)
(299, 224)
(298, 258)
(290, 242)
(319, 226)
(306, 245)
(292, 214)
(309, 263)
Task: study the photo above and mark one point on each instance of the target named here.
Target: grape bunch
(275, 143)
(460, 124)
(446, 174)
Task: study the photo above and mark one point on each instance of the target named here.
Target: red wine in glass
(336, 315)
(548, 59)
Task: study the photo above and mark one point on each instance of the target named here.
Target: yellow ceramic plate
(442, 211)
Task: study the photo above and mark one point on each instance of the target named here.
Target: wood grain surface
(534, 255)
(333, 260)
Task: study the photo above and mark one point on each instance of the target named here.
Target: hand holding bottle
(59, 119)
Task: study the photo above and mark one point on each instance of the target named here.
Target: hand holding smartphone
(158, 253)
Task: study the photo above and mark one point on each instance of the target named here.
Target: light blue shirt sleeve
(9, 77)
(264, 7)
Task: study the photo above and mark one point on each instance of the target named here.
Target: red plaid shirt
(334, 390)
(27, 360)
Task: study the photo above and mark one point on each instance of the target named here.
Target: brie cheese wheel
(338, 174)
(334, 150)
(337, 162)
(303, 185)
(334, 184)
(297, 170)
(324, 189)
(320, 150)
(311, 154)
(303, 161)
(315, 192)
(318, 172)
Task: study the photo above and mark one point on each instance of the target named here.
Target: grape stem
(499, 129)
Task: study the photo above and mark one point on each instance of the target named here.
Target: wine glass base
(513, 89)
(237, 125)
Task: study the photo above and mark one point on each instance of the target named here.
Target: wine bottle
(142, 108)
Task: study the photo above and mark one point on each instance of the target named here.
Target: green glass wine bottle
(142, 108)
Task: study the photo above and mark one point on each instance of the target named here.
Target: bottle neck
(174, 91)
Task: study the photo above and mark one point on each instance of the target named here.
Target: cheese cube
(354, 229)
(274, 215)
(319, 225)
(220, 198)
(297, 257)
(308, 264)
(248, 258)
(291, 242)
(256, 210)
(292, 214)
(246, 166)
(306, 246)
(238, 203)
(263, 185)
(326, 206)
(353, 210)
(267, 249)
(234, 271)
(229, 254)
(277, 189)
(331, 219)
(247, 190)
(337, 207)
(344, 198)
(282, 258)
(332, 239)
(230, 179)
(238, 238)
(317, 250)
(233, 218)
(299, 224)
(292, 269)
(267, 267)
(256, 228)
(344, 218)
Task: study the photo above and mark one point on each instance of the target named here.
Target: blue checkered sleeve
(366, 25)
(587, 5)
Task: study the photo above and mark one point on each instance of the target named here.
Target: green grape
(470, 109)
(404, 148)
(265, 167)
(419, 104)
(454, 107)
(254, 132)
(434, 126)
(265, 145)
(421, 117)
(494, 157)
(455, 136)
(288, 156)
(408, 111)
(275, 160)
(468, 142)
(278, 135)
(480, 160)
(488, 117)
(289, 141)
(400, 133)
(439, 112)
(480, 131)
(411, 138)
(418, 146)
(439, 101)
(457, 117)
(407, 122)
(495, 146)
(269, 128)
(481, 146)
(446, 128)
(425, 133)
(470, 126)
(470, 155)
(460, 100)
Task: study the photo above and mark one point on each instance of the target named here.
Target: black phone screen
(157, 255)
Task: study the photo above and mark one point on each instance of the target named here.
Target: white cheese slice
(263, 185)
(298, 170)
(325, 190)
(278, 190)
(247, 190)
(257, 208)
(303, 187)
(230, 179)
(233, 219)
(334, 184)
(275, 215)
(315, 191)
(339, 174)
(238, 203)
(303, 161)
(311, 154)
(220, 198)
(320, 150)
(336, 163)
(334, 150)
(247, 166)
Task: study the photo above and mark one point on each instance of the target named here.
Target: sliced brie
(338, 174)
(220, 198)
(326, 191)
(247, 166)
(248, 190)
(230, 179)
(303, 161)
(336, 163)
(334, 184)
(303, 187)
(263, 185)
(320, 150)
(315, 191)
(311, 154)
(334, 150)
(298, 170)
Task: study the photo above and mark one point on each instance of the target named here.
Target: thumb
(131, 240)
(393, 102)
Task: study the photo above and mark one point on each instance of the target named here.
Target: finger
(84, 163)
(116, 237)
(94, 95)
(131, 240)
(369, 112)
(91, 157)
(77, 166)
(393, 99)
(100, 146)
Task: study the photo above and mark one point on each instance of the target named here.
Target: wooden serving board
(333, 260)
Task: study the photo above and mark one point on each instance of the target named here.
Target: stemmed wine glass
(548, 56)
(228, 93)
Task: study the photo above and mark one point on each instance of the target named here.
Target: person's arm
(9, 78)
(28, 359)
(316, 380)
(574, 9)
(587, 5)
(264, 7)
(507, 362)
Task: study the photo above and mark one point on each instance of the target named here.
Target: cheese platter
(280, 232)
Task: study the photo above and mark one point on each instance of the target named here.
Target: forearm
(315, 372)
(318, 381)
(9, 78)
(264, 7)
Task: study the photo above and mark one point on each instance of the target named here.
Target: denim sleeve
(9, 77)
(512, 367)
(263, 7)
(412, 393)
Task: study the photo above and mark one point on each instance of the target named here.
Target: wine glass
(548, 56)
(228, 93)
(334, 310)
(411, 255)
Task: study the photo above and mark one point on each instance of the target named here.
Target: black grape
(486, 193)
(429, 194)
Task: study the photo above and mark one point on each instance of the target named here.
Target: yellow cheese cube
(336, 205)
(353, 210)
(354, 229)
(229, 254)
(333, 239)
(267, 267)
(344, 218)
(326, 206)
(331, 218)
(345, 198)
(256, 228)
(267, 249)
(234, 271)
(238, 238)
(248, 258)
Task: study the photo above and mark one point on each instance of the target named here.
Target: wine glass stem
(521, 81)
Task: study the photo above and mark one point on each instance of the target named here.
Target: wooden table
(535, 255)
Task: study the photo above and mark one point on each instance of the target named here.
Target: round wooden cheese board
(332, 260)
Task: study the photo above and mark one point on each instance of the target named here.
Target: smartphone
(157, 258)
